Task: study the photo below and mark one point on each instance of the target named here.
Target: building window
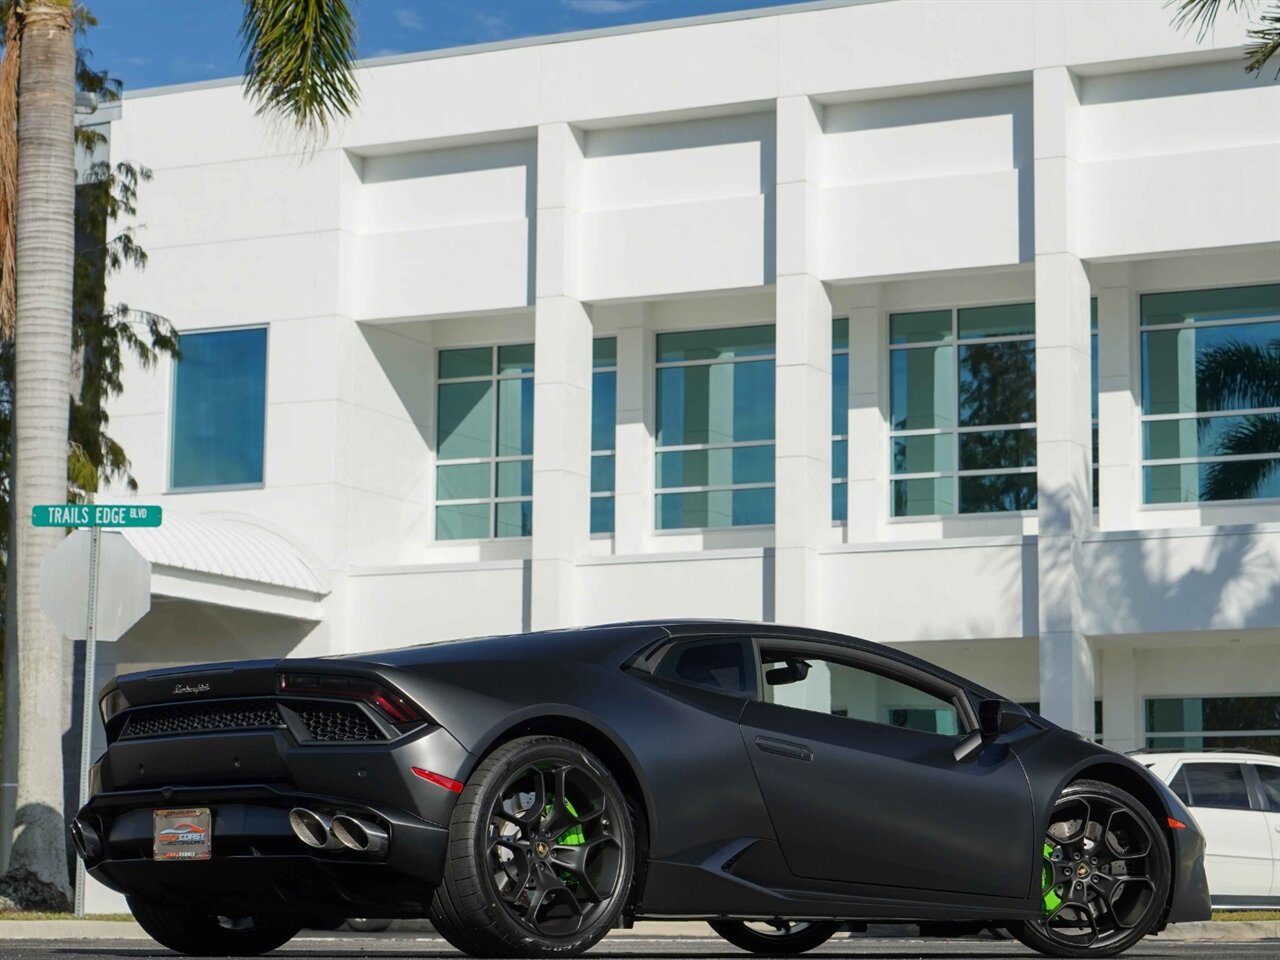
(604, 412)
(1211, 395)
(1213, 723)
(1093, 393)
(484, 442)
(219, 409)
(962, 386)
(715, 399)
(840, 420)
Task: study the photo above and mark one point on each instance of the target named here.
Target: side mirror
(999, 716)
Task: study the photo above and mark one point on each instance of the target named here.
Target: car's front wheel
(777, 936)
(1105, 877)
(541, 853)
(209, 935)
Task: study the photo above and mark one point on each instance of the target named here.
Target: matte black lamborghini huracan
(528, 793)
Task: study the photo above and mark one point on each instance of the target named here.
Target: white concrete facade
(779, 167)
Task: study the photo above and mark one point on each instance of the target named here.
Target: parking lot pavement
(337, 947)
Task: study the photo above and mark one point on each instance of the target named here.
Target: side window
(723, 664)
(1179, 786)
(1216, 785)
(1269, 777)
(845, 690)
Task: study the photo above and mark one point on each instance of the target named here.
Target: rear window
(723, 664)
(1269, 777)
(1212, 785)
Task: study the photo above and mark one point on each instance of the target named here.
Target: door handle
(784, 748)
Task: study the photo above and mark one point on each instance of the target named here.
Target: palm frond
(1199, 14)
(299, 61)
(1266, 42)
(1236, 375)
(1244, 479)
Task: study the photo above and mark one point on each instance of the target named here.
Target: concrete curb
(1223, 930)
(1219, 930)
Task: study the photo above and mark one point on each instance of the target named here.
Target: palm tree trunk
(42, 382)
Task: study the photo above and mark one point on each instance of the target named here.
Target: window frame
(955, 474)
(173, 412)
(1140, 459)
(906, 674)
(658, 450)
(493, 499)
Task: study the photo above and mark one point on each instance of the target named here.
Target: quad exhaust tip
(359, 834)
(312, 828)
(321, 832)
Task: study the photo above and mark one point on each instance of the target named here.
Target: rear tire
(1106, 875)
(791, 937)
(207, 935)
(541, 854)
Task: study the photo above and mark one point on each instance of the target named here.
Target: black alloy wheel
(542, 832)
(1105, 876)
(776, 936)
(208, 935)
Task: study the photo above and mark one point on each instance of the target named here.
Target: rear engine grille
(336, 721)
(200, 718)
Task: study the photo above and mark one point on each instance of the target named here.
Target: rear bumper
(257, 864)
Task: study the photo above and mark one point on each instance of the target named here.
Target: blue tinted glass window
(962, 407)
(604, 415)
(1211, 394)
(715, 403)
(220, 391)
(484, 442)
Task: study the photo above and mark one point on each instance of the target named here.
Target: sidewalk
(1232, 930)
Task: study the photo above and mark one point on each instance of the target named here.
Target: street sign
(123, 586)
(95, 515)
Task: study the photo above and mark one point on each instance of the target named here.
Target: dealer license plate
(183, 834)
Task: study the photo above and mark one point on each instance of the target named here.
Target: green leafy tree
(1264, 33)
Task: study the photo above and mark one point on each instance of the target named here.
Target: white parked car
(1235, 798)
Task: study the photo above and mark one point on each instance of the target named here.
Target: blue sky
(149, 43)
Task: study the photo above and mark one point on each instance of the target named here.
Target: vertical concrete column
(1121, 701)
(868, 418)
(1062, 390)
(561, 385)
(1119, 399)
(803, 413)
(633, 475)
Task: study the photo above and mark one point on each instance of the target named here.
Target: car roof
(1208, 756)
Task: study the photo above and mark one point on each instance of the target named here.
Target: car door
(1237, 862)
(856, 761)
(1268, 775)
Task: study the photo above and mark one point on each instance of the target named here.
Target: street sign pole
(74, 574)
(86, 716)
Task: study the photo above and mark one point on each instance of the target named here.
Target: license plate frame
(184, 833)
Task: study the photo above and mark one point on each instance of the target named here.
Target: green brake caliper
(1051, 899)
(572, 837)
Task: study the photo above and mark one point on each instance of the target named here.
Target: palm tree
(1234, 376)
(1264, 35)
(298, 70)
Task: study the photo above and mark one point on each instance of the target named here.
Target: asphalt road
(636, 948)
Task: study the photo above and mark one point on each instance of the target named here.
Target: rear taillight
(387, 702)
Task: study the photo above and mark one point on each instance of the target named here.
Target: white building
(781, 315)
